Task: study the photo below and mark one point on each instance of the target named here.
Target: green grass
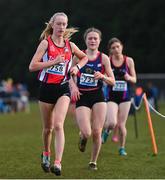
(21, 145)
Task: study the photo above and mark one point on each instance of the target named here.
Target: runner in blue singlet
(118, 104)
(90, 105)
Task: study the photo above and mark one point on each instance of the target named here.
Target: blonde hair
(49, 30)
(92, 29)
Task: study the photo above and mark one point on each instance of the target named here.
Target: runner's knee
(48, 131)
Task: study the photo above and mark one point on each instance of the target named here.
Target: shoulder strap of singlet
(126, 63)
(100, 54)
(101, 57)
(67, 42)
(101, 61)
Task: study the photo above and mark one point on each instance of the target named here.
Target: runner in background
(119, 100)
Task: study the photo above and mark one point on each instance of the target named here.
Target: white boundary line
(138, 107)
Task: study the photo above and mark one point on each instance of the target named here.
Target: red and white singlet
(58, 73)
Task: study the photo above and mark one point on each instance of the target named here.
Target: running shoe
(104, 136)
(115, 138)
(82, 144)
(56, 169)
(93, 166)
(45, 162)
(122, 152)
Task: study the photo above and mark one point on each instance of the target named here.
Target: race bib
(120, 86)
(88, 80)
(58, 69)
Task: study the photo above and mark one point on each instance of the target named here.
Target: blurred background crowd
(13, 97)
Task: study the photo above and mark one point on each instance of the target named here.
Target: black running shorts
(89, 98)
(50, 93)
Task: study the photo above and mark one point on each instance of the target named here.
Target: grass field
(21, 145)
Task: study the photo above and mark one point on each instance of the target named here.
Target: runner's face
(59, 25)
(116, 48)
(93, 40)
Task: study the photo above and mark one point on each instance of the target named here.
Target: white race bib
(88, 80)
(58, 69)
(120, 86)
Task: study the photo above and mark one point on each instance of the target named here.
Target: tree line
(138, 24)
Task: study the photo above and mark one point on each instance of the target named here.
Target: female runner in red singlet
(53, 58)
